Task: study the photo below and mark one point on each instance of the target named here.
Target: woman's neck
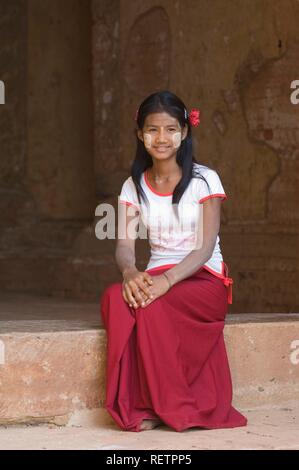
(165, 170)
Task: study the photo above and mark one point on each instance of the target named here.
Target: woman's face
(162, 135)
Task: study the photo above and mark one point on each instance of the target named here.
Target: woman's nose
(161, 136)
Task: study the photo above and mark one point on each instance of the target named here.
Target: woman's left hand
(159, 287)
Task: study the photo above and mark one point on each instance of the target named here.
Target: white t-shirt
(171, 240)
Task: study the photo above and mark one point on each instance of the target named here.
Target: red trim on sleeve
(128, 204)
(223, 196)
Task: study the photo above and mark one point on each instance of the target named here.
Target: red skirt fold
(169, 360)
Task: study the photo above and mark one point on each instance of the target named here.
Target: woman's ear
(140, 135)
(185, 131)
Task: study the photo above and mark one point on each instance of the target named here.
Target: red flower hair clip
(194, 117)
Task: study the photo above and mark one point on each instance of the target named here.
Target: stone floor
(267, 429)
(22, 312)
(250, 340)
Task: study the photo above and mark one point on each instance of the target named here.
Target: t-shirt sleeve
(128, 194)
(215, 188)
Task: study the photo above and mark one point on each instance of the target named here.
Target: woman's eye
(170, 129)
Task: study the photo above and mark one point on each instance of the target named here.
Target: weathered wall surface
(235, 61)
(47, 180)
(76, 71)
(13, 43)
(13, 35)
(47, 177)
(60, 165)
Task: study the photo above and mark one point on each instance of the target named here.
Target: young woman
(166, 356)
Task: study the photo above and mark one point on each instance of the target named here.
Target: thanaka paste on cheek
(147, 140)
(176, 139)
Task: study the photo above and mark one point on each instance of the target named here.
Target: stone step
(52, 360)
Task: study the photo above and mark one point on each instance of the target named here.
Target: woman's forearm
(125, 258)
(189, 265)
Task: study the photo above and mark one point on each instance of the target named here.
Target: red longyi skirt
(169, 360)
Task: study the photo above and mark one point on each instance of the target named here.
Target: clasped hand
(139, 289)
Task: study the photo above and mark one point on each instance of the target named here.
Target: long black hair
(165, 101)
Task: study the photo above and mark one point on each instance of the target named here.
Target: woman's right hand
(136, 287)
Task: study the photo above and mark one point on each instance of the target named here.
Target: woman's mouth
(161, 149)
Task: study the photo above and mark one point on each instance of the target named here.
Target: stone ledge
(52, 365)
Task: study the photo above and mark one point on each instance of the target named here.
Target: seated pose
(166, 356)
